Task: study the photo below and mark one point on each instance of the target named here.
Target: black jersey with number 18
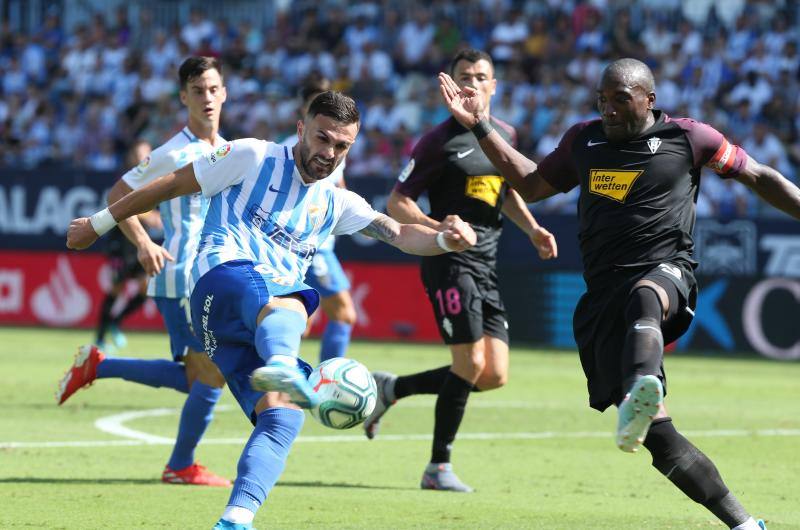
(637, 200)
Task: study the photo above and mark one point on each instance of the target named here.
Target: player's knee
(341, 309)
(491, 380)
(643, 303)
(200, 368)
(683, 464)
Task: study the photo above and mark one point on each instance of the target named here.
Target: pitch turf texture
(538, 457)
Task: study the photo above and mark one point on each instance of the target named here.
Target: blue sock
(279, 333)
(264, 456)
(195, 417)
(335, 340)
(150, 372)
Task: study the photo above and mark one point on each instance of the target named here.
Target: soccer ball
(347, 393)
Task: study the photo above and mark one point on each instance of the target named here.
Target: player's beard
(312, 172)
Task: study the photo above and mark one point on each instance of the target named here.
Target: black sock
(133, 304)
(429, 382)
(105, 317)
(692, 472)
(644, 344)
(450, 407)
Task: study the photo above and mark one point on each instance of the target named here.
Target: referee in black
(461, 182)
(638, 171)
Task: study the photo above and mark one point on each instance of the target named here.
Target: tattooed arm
(421, 240)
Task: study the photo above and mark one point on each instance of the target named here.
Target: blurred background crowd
(79, 81)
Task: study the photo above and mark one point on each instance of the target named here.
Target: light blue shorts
(326, 274)
(178, 322)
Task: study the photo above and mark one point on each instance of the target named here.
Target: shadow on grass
(46, 480)
(318, 484)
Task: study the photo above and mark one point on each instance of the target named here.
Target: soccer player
(325, 273)
(271, 207)
(638, 171)
(124, 265)
(203, 93)
(447, 162)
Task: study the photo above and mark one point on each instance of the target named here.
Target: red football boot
(82, 373)
(195, 474)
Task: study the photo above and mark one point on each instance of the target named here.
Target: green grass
(563, 482)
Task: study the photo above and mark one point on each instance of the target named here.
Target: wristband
(482, 129)
(442, 242)
(102, 221)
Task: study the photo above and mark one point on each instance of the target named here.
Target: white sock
(238, 515)
(750, 524)
(286, 360)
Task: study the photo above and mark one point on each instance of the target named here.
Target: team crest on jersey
(315, 215)
(613, 183)
(654, 143)
(221, 152)
(406, 171)
(144, 163)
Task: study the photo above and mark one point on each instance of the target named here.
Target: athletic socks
(279, 333)
(264, 456)
(692, 472)
(450, 407)
(644, 344)
(150, 372)
(198, 410)
(429, 382)
(335, 340)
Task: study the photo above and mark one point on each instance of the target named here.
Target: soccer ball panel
(347, 393)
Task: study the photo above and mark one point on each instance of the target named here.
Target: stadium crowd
(80, 95)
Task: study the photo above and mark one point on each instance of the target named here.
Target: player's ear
(300, 127)
(224, 94)
(651, 100)
(182, 94)
(494, 87)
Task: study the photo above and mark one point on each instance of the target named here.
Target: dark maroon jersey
(448, 162)
(637, 200)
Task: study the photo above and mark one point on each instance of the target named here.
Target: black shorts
(466, 304)
(599, 325)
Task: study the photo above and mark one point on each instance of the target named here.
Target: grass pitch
(535, 452)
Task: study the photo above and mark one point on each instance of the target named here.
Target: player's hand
(465, 104)
(545, 243)
(448, 222)
(460, 236)
(80, 234)
(152, 257)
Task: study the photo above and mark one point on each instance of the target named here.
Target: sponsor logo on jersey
(268, 224)
(406, 171)
(613, 183)
(465, 153)
(654, 143)
(221, 152)
(485, 188)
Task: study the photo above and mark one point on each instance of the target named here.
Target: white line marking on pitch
(114, 425)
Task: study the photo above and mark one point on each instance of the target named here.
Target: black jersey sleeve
(558, 168)
(424, 168)
(711, 149)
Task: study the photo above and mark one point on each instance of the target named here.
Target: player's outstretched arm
(771, 186)
(466, 107)
(421, 240)
(84, 231)
(404, 209)
(151, 256)
(515, 209)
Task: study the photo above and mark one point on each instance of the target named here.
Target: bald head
(631, 73)
(625, 99)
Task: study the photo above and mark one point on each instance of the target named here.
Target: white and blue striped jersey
(337, 177)
(182, 216)
(262, 211)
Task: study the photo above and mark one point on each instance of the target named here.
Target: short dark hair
(195, 66)
(470, 55)
(313, 86)
(335, 105)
